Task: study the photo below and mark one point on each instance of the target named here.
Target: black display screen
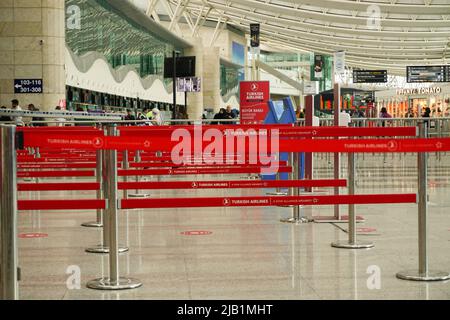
(185, 67)
(369, 76)
(421, 74)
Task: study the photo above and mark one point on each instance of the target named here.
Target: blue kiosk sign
(28, 86)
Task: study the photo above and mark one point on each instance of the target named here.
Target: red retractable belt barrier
(122, 173)
(182, 185)
(267, 201)
(86, 165)
(54, 174)
(292, 145)
(187, 171)
(78, 186)
(202, 165)
(217, 202)
(61, 204)
(231, 184)
(284, 130)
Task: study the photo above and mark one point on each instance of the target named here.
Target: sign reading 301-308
(28, 86)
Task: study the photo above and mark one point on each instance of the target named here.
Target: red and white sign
(32, 235)
(196, 233)
(253, 99)
(366, 230)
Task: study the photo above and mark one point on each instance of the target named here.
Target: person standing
(17, 119)
(156, 117)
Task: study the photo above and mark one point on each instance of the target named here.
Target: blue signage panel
(28, 86)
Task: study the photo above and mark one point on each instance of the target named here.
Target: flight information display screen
(420, 74)
(369, 76)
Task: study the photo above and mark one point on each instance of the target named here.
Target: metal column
(9, 271)
(423, 273)
(114, 281)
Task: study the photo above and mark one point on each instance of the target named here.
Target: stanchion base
(139, 195)
(332, 219)
(103, 249)
(106, 284)
(295, 220)
(432, 275)
(344, 244)
(92, 224)
(277, 193)
(250, 177)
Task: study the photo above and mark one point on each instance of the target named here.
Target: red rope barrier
(267, 201)
(54, 174)
(78, 186)
(90, 204)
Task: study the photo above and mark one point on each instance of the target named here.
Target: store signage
(253, 99)
(310, 87)
(422, 91)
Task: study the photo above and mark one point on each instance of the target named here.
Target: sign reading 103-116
(28, 86)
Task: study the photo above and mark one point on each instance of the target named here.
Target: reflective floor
(247, 253)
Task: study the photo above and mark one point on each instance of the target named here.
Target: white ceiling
(408, 32)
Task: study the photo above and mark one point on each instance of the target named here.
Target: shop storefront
(410, 103)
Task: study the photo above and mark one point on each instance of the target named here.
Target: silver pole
(9, 270)
(137, 159)
(114, 281)
(295, 191)
(125, 166)
(423, 273)
(98, 174)
(351, 243)
(278, 191)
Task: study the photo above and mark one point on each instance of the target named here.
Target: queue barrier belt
(87, 204)
(72, 186)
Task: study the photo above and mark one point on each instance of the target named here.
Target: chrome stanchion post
(9, 270)
(114, 281)
(278, 191)
(98, 175)
(294, 191)
(125, 166)
(104, 246)
(137, 159)
(423, 273)
(351, 243)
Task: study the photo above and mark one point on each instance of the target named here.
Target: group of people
(225, 114)
(147, 117)
(19, 120)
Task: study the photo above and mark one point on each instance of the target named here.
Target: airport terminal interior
(225, 150)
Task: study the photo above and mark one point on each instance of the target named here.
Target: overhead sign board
(420, 74)
(369, 76)
(253, 101)
(254, 35)
(28, 86)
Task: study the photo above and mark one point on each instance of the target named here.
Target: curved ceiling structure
(374, 33)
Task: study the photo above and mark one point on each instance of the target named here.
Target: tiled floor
(250, 254)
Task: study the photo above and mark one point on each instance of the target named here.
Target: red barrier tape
(61, 204)
(266, 201)
(217, 202)
(291, 145)
(58, 186)
(182, 171)
(201, 165)
(284, 131)
(230, 184)
(181, 185)
(86, 165)
(54, 174)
